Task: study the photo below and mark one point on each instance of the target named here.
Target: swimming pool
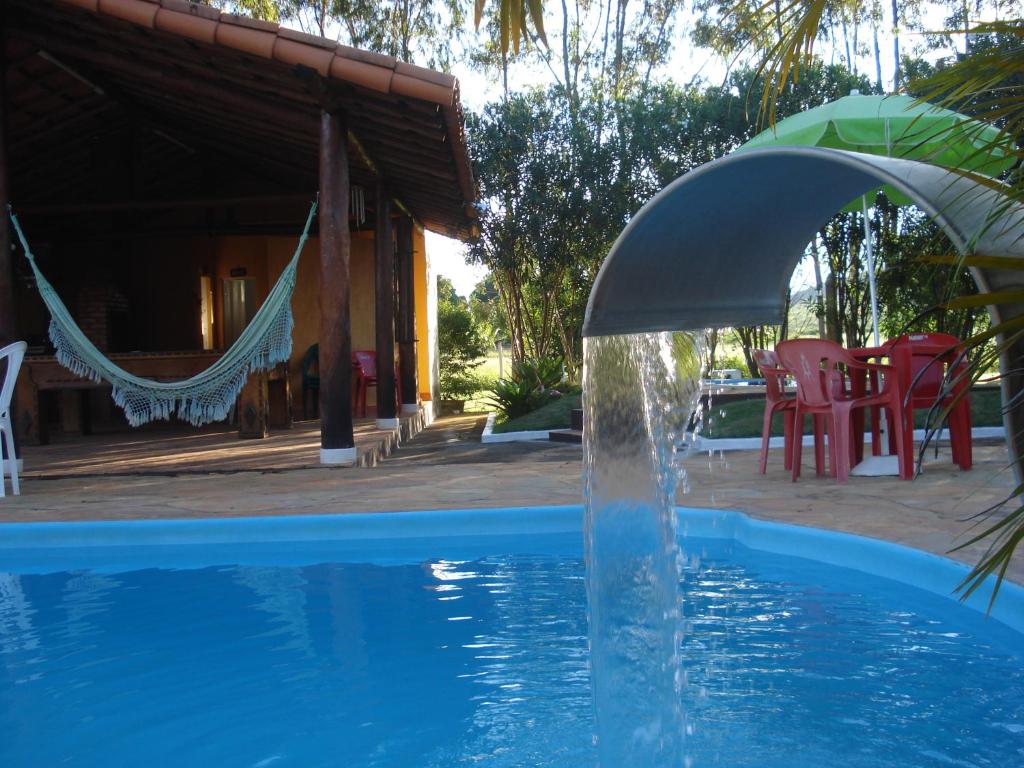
(459, 638)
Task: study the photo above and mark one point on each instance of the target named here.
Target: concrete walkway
(445, 467)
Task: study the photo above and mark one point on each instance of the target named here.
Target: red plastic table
(901, 357)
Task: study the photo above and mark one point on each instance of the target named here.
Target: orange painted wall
(238, 253)
(306, 299)
(422, 283)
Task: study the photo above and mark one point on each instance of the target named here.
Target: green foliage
(545, 373)
(420, 31)
(560, 180)
(485, 304)
(460, 384)
(531, 384)
(513, 18)
(730, 361)
(513, 398)
(461, 345)
(915, 290)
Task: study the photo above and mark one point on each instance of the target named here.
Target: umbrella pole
(883, 424)
(871, 271)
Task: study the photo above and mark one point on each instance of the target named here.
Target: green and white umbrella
(893, 126)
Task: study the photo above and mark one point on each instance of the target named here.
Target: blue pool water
(472, 651)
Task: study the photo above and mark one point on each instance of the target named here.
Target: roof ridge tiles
(89, 5)
(246, 37)
(357, 72)
(442, 79)
(140, 12)
(367, 57)
(297, 53)
(194, 9)
(303, 37)
(237, 20)
(268, 40)
(185, 24)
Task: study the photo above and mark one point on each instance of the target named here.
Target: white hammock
(207, 396)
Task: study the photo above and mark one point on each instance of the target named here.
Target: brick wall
(93, 312)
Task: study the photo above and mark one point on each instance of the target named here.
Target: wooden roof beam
(116, 95)
(165, 80)
(165, 205)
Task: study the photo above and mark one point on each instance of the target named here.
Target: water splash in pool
(639, 391)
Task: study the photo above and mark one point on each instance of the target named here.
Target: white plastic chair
(13, 355)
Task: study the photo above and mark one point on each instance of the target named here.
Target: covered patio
(214, 449)
(163, 157)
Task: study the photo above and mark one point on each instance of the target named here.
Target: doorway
(239, 306)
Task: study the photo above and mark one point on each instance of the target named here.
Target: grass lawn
(553, 415)
(737, 419)
(488, 372)
(743, 418)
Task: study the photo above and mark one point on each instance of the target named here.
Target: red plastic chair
(776, 401)
(365, 364)
(930, 367)
(818, 366)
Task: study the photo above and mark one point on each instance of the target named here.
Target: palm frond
(1005, 535)
(512, 21)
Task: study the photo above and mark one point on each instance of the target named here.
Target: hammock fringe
(206, 397)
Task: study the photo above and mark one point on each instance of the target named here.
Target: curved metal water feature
(717, 246)
(714, 248)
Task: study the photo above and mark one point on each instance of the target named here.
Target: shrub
(545, 373)
(459, 385)
(532, 383)
(731, 361)
(513, 398)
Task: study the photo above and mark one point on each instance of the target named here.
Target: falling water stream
(639, 391)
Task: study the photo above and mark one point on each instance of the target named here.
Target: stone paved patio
(446, 467)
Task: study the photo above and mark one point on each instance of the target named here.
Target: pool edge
(898, 562)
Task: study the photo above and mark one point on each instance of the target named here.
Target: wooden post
(254, 408)
(337, 442)
(8, 322)
(28, 425)
(384, 304)
(8, 330)
(407, 319)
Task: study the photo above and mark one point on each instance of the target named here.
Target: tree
(517, 167)
(559, 186)
(485, 304)
(460, 344)
(420, 31)
(916, 291)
